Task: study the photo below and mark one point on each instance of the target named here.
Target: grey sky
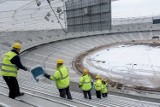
(135, 8)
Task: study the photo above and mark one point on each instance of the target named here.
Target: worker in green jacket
(10, 65)
(104, 90)
(85, 83)
(61, 78)
(98, 86)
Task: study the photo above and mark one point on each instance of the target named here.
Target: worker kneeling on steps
(85, 83)
(9, 70)
(61, 78)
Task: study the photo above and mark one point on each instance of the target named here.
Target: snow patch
(122, 61)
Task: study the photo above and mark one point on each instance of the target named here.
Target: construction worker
(98, 86)
(61, 78)
(9, 70)
(85, 83)
(104, 90)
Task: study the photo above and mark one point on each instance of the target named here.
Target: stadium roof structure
(19, 15)
(30, 14)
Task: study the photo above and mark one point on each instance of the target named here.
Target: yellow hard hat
(17, 45)
(85, 71)
(60, 61)
(97, 77)
(105, 80)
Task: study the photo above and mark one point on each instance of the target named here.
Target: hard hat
(105, 80)
(85, 71)
(60, 61)
(17, 45)
(97, 77)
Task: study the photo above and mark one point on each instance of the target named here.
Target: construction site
(124, 51)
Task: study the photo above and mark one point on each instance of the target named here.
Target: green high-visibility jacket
(7, 68)
(61, 77)
(85, 83)
(104, 88)
(98, 85)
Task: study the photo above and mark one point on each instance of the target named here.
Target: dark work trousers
(13, 86)
(65, 92)
(87, 92)
(104, 95)
(98, 94)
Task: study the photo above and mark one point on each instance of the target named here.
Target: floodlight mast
(49, 2)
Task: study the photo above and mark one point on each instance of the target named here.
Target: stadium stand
(44, 47)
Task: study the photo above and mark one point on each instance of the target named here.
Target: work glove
(92, 83)
(80, 86)
(25, 68)
(46, 75)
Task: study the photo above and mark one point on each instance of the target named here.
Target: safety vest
(7, 68)
(61, 77)
(98, 85)
(104, 88)
(85, 83)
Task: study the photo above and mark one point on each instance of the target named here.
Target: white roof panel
(18, 15)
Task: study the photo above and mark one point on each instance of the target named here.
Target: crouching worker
(98, 86)
(85, 83)
(61, 78)
(104, 90)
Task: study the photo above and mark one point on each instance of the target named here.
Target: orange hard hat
(85, 71)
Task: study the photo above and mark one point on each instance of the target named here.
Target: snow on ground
(136, 64)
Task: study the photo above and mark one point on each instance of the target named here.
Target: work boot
(70, 98)
(20, 94)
